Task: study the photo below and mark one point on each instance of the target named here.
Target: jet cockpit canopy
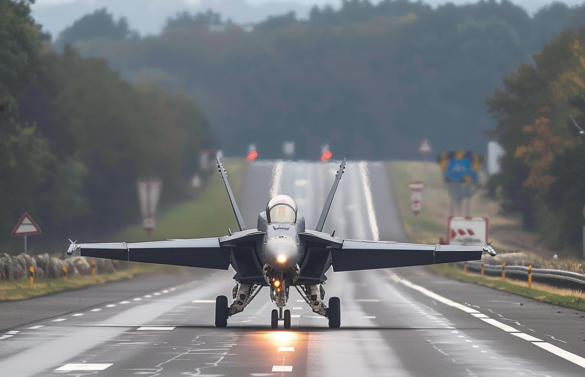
(281, 209)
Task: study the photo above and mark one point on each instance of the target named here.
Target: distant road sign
(425, 147)
(416, 202)
(148, 196)
(416, 186)
(26, 226)
(467, 231)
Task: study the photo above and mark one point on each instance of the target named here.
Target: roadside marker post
(504, 271)
(64, 273)
(482, 271)
(530, 276)
(92, 268)
(31, 276)
(465, 268)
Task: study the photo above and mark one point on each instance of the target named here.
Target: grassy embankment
(505, 232)
(210, 214)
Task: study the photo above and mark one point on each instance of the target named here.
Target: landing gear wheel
(274, 319)
(221, 311)
(287, 319)
(334, 313)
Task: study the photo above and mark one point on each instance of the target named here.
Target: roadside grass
(208, 215)
(552, 295)
(20, 289)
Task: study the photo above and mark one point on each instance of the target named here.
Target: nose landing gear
(277, 315)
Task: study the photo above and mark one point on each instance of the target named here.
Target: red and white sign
(467, 231)
(196, 182)
(425, 147)
(416, 186)
(416, 202)
(148, 196)
(26, 226)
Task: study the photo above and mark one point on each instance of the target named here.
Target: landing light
(276, 283)
(281, 259)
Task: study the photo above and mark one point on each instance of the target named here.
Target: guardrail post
(482, 272)
(504, 271)
(530, 276)
(465, 268)
(92, 268)
(31, 276)
(64, 273)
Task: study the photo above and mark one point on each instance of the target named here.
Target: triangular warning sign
(425, 147)
(26, 226)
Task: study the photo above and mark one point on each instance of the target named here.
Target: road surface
(401, 322)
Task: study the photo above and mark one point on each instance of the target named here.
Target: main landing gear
(334, 313)
(221, 311)
(277, 315)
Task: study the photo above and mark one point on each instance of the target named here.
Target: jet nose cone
(281, 253)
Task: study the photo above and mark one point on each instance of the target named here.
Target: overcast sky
(55, 15)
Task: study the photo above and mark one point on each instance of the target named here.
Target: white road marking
(286, 349)
(147, 296)
(370, 317)
(561, 353)
(156, 293)
(369, 202)
(137, 299)
(479, 315)
(276, 178)
(110, 306)
(77, 315)
(282, 368)
(499, 325)
(300, 300)
(5, 337)
(575, 359)
(124, 302)
(527, 337)
(203, 301)
(60, 320)
(295, 316)
(13, 332)
(155, 328)
(297, 308)
(367, 300)
(95, 310)
(165, 291)
(88, 367)
(35, 327)
(172, 289)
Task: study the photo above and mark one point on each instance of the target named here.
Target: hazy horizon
(55, 15)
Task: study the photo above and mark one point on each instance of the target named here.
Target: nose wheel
(280, 315)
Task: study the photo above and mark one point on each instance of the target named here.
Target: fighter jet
(281, 253)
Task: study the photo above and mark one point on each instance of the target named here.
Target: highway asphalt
(401, 322)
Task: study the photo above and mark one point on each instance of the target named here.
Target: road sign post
(148, 195)
(26, 226)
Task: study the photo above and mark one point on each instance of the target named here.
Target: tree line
(75, 136)
(370, 80)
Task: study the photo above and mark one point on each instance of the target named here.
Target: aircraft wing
(200, 252)
(366, 255)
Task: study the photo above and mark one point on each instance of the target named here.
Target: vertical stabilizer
(237, 213)
(327, 206)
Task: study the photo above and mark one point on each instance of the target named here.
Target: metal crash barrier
(556, 278)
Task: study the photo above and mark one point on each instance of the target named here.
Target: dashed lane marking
(110, 306)
(83, 367)
(370, 317)
(561, 353)
(77, 315)
(35, 327)
(367, 300)
(13, 332)
(125, 302)
(5, 337)
(95, 310)
(60, 320)
(282, 368)
(527, 337)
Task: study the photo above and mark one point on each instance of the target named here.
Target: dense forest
(75, 137)
(539, 112)
(369, 80)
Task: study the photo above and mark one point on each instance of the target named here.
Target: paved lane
(403, 322)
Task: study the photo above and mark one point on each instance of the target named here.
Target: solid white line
(370, 317)
(528, 338)
(276, 178)
(282, 368)
(286, 349)
(367, 300)
(578, 360)
(562, 353)
(369, 202)
(499, 325)
(155, 328)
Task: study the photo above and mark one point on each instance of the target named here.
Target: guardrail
(556, 278)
